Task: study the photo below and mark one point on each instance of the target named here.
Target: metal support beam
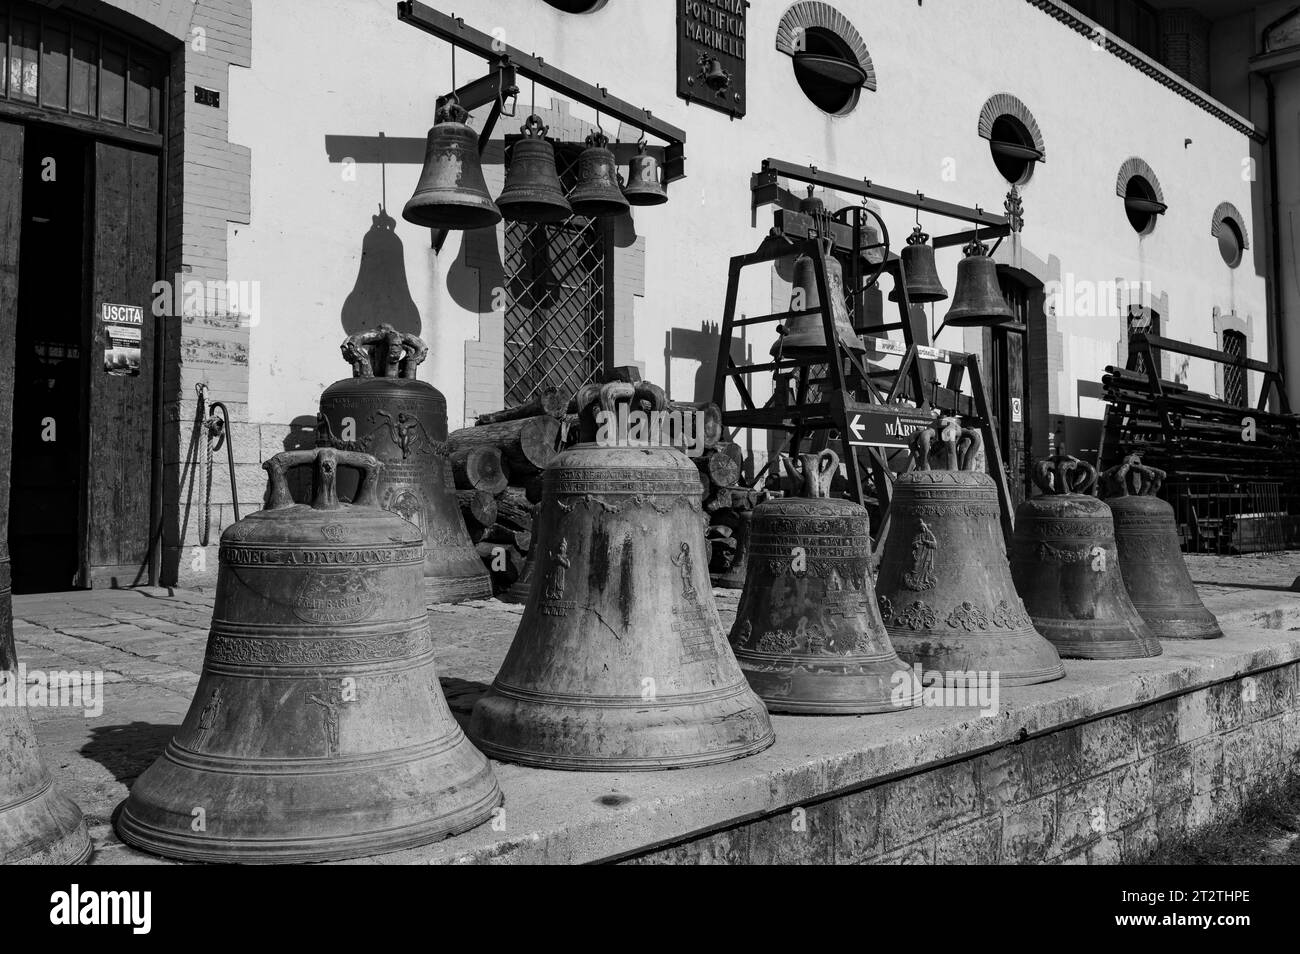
(765, 181)
(454, 31)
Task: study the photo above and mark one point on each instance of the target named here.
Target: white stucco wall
(349, 67)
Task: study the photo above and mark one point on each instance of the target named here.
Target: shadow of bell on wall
(381, 294)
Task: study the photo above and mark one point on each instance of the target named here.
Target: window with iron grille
(559, 279)
(1234, 376)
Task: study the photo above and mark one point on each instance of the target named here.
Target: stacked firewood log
(497, 465)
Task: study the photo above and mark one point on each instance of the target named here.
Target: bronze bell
(804, 336)
(644, 179)
(383, 410)
(808, 633)
(318, 730)
(944, 585)
(532, 191)
(978, 300)
(920, 276)
(620, 661)
(1067, 570)
(452, 193)
(38, 823)
(1150, 555)
(597, 192)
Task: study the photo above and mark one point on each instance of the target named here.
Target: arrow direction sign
(877, 425)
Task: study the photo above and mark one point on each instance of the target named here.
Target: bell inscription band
(318, 730)
(1151, 556)
(944, 585)
(808, 633)
(620, 661)
(1067, 570)
(403, 422)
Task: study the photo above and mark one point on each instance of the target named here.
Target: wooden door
(1008, 387)
(123, 231)
(11, 200)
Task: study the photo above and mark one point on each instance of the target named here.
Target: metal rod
(864, 187)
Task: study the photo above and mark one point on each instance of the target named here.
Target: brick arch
(1133, 166)
(810, 13)
(1227, 212)
(1004, 104)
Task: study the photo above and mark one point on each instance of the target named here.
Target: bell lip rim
(924, 298)
(532, 758)
(646, 198)
(978, 321)
(475, 814)
(484, 211)
(608, 208)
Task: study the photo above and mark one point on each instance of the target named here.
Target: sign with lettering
(711, 53)
(121, 314)
(884, 425)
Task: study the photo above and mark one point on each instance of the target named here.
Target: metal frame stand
(853, 394)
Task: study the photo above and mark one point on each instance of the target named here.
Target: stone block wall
(1095, 792)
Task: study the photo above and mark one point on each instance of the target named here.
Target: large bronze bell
(1067, 570)
(920, 277)
(804, 336)
(38, 824)
(403, 422)
(944, 584)
(318, 730)
(620, 661)
(451, 192)
(1150, 555)
(808, 633)
(597, 192)
(532, 192)
(978, 300)
(644, 180)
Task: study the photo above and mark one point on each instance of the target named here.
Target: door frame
(27, 117)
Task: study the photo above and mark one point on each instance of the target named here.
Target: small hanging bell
(452, 193)
(598, 192)
(978, 300)
(920, 276)
(532, 191)
(644, 179)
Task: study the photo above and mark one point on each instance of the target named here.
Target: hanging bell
(808, 633)
(944, 585)
(804, 335)
(978, 299)
(1150, 555)
(451, 192)
(920, 276)
(597, 192)
(318, 730)
(620, 661)
(38, 824)
(644, 179)
(1066, 568)
(532, 191)
(403, 422)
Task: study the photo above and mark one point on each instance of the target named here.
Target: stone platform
(1094, 767)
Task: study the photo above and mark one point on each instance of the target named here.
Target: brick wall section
(1096, 793)
(208, 188)
(1185, 45)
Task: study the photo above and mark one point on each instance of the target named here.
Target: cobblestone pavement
(149, 643)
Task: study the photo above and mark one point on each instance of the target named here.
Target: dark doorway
(49, 367)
